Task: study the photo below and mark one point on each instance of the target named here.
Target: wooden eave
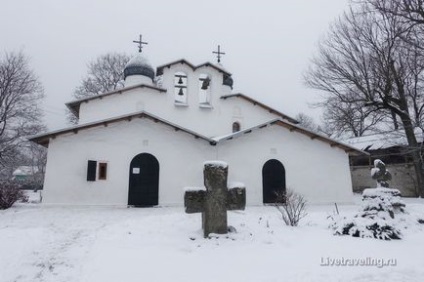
(74, 106)
(294, 128)
(44, 139)
(315, 136)
(262, 105)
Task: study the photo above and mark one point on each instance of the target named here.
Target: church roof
(43, 139)
(138, 65)
(159, 70)
(383, 140)
(75, 105)
(255, 102)
(293, 128)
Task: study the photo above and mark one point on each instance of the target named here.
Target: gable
(294, 129)
(74, 106)
(257, 103)
(160, 69)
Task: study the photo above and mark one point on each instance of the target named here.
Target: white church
(143, 144)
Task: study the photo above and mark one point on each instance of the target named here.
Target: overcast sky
(268, 44)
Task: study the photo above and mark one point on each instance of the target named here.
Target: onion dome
(139, 66)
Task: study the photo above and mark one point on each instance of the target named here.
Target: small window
(91, 170)
(236, 127)
(102, 171)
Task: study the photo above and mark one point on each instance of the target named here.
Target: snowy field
(164, 244)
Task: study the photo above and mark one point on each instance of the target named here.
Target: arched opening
(180, 88)
(236, 126)
(204, 90)
(273, 181)
(143, 181)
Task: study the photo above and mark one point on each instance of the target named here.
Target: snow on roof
(382, 140)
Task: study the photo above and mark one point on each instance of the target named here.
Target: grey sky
(268, 43)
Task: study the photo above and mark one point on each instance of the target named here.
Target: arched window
(180, 88)
(236, 126)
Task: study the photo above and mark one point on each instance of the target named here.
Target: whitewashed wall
(307, 163)
(313, 168)
(180, 157)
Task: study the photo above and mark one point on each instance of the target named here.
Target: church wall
(130, 101)
(313, 168)
(215, 121)
(180, 157)
(211, 122)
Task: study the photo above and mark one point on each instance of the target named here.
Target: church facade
(143, 144)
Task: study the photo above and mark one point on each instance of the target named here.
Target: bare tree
(367, 60)
(412, 11)
(306, 121)
(37, 160)
(349, 119)
(20, 113)
(105, 74)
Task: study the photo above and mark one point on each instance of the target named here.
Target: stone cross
(214, 202)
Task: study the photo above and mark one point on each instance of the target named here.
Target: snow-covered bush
(9, 194)
(292, 207)
(380, 174)
(378, 218)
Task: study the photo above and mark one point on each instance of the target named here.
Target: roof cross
(219, 53)
(140, 43)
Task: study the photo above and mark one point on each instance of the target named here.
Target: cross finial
(140, 43)
(219, 53)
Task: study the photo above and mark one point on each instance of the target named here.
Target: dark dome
(228, 80)
(139, 66)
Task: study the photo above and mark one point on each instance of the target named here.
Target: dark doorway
(144, 181)
(273, 180)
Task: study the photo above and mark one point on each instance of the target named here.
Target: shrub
(292, 207)
(9, 194)
(377, 219)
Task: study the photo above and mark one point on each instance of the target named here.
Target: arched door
(144, 181)
(273, 180)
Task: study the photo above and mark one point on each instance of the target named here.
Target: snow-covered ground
(164, 244)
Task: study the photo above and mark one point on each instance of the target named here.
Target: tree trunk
(415, 153)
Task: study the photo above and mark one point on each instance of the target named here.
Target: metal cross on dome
(219, 53)
(140, 43)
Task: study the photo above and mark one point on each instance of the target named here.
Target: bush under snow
(380, 217)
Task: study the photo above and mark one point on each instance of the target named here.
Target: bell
(205, 83)
(181, 93)
(180, 81)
